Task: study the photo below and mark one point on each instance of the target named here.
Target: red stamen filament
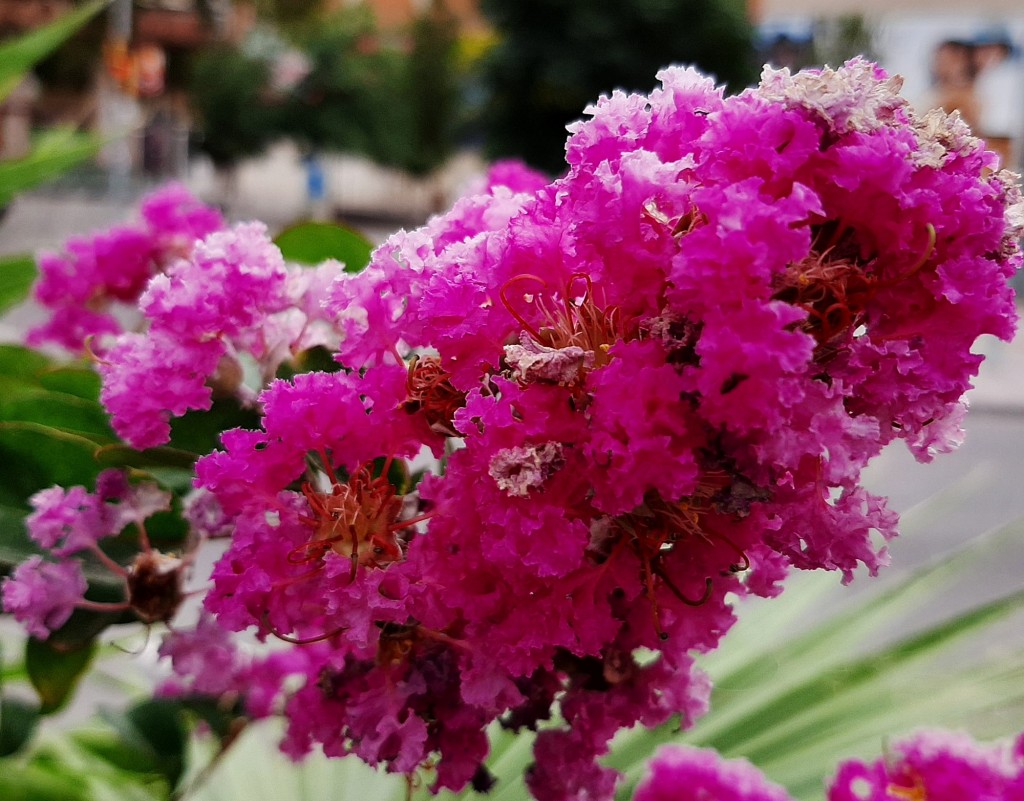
(579, 323)
(429, 390)
(357, 519)
(305, 640)
(835, 291)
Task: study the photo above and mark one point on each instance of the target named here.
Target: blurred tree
(290, 12)
(431, 86)
(398, 107)
(837, 39)
(228, 90)
(556, 56)
(350, 99)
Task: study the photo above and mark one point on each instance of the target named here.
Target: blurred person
(786, 51)
(953, 84)
(1000, 90)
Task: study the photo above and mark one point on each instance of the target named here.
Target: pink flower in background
(934, 765)
(233, 303)
(82, 286)
(683, 773)
(69, 524)
(42, 595)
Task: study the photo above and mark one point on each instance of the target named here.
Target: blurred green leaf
(20, 54)
(18, 721)
(123, 753)
(71, 379)
(53, 152)
(312, 360)
(37, 456)
(85, 625)
(55, 669)
(155, 731)
(33, 782)
(59, 411)
(22, 363)
(314, 242)
(199, 431)
(15, 546)
(23, 369)
(16, 276)
(127, 456)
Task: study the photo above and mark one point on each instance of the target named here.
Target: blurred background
(381, 112)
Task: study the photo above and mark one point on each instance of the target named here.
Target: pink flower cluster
(652, 385)
(935, 765)
(929, 765)
(69, 524)
(82, 287)
(233, 304)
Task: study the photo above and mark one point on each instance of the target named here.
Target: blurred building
(124, 71)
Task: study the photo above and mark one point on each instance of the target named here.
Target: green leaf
(84, 625)
(17, 273)
(23, 369)
(315, 242)
(53, 152)
(15, 546)
(37, 456)
(155, 729)
(70, 379)
(59, 411)
(23, 363)
(199, 431)
(18, 721)
(127, 456)
(19, 55)
(55, 669)
(32, 782)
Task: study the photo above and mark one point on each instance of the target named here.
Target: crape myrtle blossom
(69, 525)
(935, 765)
(232, 304)
(654, 384)
(83, 286)
(928, 765)
(684, 773)
(651, 385)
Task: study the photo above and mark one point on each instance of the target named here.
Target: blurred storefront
(122, 75)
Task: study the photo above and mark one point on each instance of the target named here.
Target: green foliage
(18, 720)
(287, 13)
(397, 108)
(51, 424)
(431, 89)
(17, 273)
(19, 55)
(228, 91)
(151, 739)
(52, 154)
(350, 100)
(55, 669)
(314, 242)
(554, 57)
